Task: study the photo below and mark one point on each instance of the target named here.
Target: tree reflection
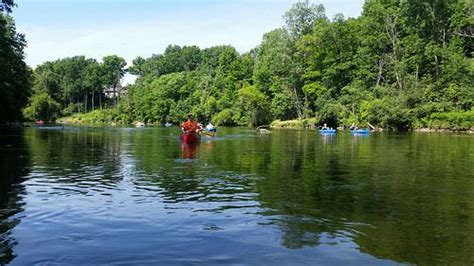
(14, 162)
(403, 198)
(77, 155)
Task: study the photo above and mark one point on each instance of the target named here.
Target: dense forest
(400, 65)
(15, 76)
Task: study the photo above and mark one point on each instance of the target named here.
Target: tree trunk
(115, 95)
(379, 75)
(92, 101)
(436, 67)
(391, 30)
(298, 105)
(100, 100)
(399, 76)
(85, 103)
(416, 77)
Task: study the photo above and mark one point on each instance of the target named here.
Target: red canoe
(191, 137)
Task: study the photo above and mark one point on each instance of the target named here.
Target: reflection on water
(133, 196)
(13, 166)
(189, 150)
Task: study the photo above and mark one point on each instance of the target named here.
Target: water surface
(139, 196)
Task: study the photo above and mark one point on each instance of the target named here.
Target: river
(83, 195)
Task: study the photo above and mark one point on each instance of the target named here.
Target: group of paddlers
(192, 126)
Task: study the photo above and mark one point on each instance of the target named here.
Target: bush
(98, 117)
(457, 120)
(42, 107)
(224, 118)
(299, 123)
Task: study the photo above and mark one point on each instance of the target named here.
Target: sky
(129, 28)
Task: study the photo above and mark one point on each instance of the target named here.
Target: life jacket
(189, 126)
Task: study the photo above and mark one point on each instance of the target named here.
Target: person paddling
(210, 127)
(189, 125)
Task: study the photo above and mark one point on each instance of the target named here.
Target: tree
(113, 71)
(6, 5)
(301, 18)
(274, 73)
(15, 76)
(92, 81)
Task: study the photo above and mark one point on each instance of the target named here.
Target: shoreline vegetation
(446, 122)
(400, 66)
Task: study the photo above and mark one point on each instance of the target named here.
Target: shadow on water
(14, 161)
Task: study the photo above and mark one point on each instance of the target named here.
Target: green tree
(113, 68)
(253, 105)
(302, 16)
(15, 76)
(274, 74)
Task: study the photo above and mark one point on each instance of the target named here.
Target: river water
(138, 196)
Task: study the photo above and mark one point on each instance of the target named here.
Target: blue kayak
(360, 131)
(327, 131)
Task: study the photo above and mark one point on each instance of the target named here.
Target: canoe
(208, 133)
(191, 137)
(50, 127)
(360, 131)
(139, 124)
(327, 131)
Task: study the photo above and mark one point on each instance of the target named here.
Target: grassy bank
(297, 124)
(109, 116)
(448, 121)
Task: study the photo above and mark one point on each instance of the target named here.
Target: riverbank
(97, 117)
(295, 124)
(438, 122)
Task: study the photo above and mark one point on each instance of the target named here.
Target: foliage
(459, 120)
(80, 83)
(297, 123)
(42, 107)
(6, 5)
(400, 65)
(15, 76)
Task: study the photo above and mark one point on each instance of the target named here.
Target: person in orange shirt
(190, 125)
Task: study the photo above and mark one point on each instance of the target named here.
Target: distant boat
(139, 124)
(50, 127)
(168, 124)
(364, 131)
(39, 122)
(327, 131)
(262, 129)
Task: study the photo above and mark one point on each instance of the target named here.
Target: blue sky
(131, 28)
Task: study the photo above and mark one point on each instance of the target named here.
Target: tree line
(15, 75)
(74, 85)
(400, 65)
